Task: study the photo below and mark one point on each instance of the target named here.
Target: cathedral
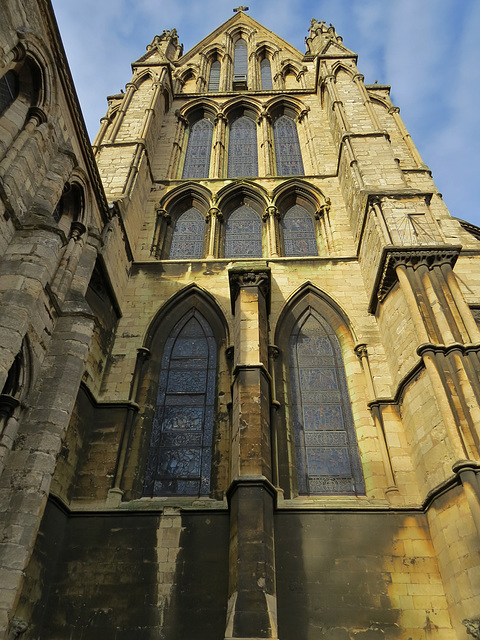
(239, 351)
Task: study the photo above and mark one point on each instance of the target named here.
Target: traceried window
(266, 74)
(243, 234)
(299, 232)
(287, 148)
(187, 240)
(214, 79)
(197, 160)
(242, 149)
(8, 90)
(180, 455)
(326, 449)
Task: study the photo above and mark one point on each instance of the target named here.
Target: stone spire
(319, 35)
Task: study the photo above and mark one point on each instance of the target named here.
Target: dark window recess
(187, 241)
(240, 66)
(299, 232)
(197, 160)
(180, 455)
(287, 148)
(266, 74)
(327, 455)
(214, 80)
(8, 90)
(242, 149)
(243, 234)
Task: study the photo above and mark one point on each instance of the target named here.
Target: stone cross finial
(240, 8)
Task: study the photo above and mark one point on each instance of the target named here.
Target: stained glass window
(179, 460)
(187, 241)
(197, 160)
(214, 80)
(8, 90)
(299, 232)
(266, 74)
(327, 454)
(242, 149)
(243, 234)
(287, 147)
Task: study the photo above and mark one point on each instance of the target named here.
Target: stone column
(162, 222)
(215, 218)
(395, 113)
(266, 142)
(252, 600)
(182, 124)
(219, 145)
(272, 219)
(302, 120)
(131, 88)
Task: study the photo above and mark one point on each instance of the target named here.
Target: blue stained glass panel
(266, 74)
(179, 458)
(327, 454)
(287, 148)
(242, 148)
(199, 147)
(187, 240)
(243, 234)
(299, 232)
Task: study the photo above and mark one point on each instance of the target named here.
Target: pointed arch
(315, 428)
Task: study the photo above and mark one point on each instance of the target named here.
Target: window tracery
(288, 155)
(187, 240)
(243, 234)
(179, 461)
(326, 449)
(242, 148)
(299, 232)
(199, 147)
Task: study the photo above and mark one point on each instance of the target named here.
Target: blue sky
(427, 50)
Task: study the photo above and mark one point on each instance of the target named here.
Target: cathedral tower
(239, 352)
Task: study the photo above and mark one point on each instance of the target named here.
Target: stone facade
(374, 532)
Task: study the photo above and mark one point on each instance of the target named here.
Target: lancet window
(214, 78)
(243, 234)
(266, 74)
(242, 148)
(179, 461)
(187, 240)
(240, 65)
(197, 159)
(299, 232)
(287, 147)
(326, 449)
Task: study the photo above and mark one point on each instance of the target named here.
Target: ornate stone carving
(473, 627)
(251, 276)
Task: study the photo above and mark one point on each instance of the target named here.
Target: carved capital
(473, 627)
(273, 351)
(394, 110)
(220, 117)
(303, 114)
(77, 229)
(361, 351)
(271, 212)
(251, 276)
(358, 77)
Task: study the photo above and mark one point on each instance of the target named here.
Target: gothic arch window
(288, 155)
(187, 240)
(70, 207)
(242, 148)
(8, 90)
(266, 74)
(199, 147)
(240, 65)
(243, 234)
(180, 454)
(327, 457)
(214, 77)
(299, 232)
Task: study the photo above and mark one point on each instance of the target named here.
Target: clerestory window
(240, 65)
(214, 79)
(299, 232)
(199, 147)
(242, 149)
(187, 240)
(266, 74)
(243, 234)
(288, 155)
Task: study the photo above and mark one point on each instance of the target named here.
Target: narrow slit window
(197, 160)
(327, 456)
(299, 232)
(287, 147)
(180, 454)
(187, 241)
(214, 80)
(242, 149)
